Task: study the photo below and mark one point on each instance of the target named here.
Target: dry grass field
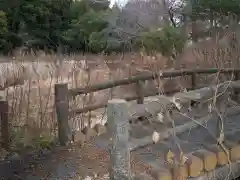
(28, 83)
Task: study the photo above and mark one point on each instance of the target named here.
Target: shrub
(168, 41)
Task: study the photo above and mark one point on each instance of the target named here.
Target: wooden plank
(221, 173)
(104, 104)
(195, 95)
(206, 92)
(161, 170)
(137, 143)
(234, 149)
(61, 102)
(194, 164)
(139, 92)
(209, 159)
(147, 76)
(222, 158)
(194, 80)
(153, 106)
(4, 124)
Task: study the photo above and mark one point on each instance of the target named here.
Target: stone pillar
(118, 127)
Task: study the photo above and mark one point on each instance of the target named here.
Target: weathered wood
(137, 143)
(195, 165)
(118, 128)
(139, 92)
(140, 95)
(201, 94)
(180, 172)
(236, 90)
(62, 104)
(235, 84)
(147, 76)
(104, 104)
(234, 149)
(222, 158)
(206, 92)
(161, 174)
(195, 95)
(153, 106)
(209, 159)
(4, 124)
(221, 173)
(194, 80)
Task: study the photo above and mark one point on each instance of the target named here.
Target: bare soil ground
(73, 163)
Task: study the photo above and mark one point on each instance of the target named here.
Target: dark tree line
(91, 26)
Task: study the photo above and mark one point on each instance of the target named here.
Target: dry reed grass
(29, 88)
(32, 100)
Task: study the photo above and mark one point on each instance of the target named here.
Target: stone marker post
(118, 127)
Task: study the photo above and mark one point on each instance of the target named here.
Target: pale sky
(119, 2)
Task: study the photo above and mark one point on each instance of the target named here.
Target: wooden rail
(62, 93)
(149, 76)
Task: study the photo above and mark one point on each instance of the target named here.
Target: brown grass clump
(29, 89)
(28, 82)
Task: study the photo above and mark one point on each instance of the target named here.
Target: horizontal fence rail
(62, 93)
(148, 76)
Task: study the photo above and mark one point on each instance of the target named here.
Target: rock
(89, 133)
(13, 157)
(155, 137)
(100, 129)
(79, 137)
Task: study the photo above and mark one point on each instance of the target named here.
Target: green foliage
(84, 26)
(168, 41)
(106, 41)
(207, 8)
(3, 29)
(81, 29)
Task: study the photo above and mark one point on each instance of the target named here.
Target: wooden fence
(63, 94)
(4, 124)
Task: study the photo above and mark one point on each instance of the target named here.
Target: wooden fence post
(140, 95)
(61, 103)
(4, 124)
(139, 92)
(118, 127)
(194, 79)
(235, 93)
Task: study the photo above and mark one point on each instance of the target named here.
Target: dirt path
(71, 163)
